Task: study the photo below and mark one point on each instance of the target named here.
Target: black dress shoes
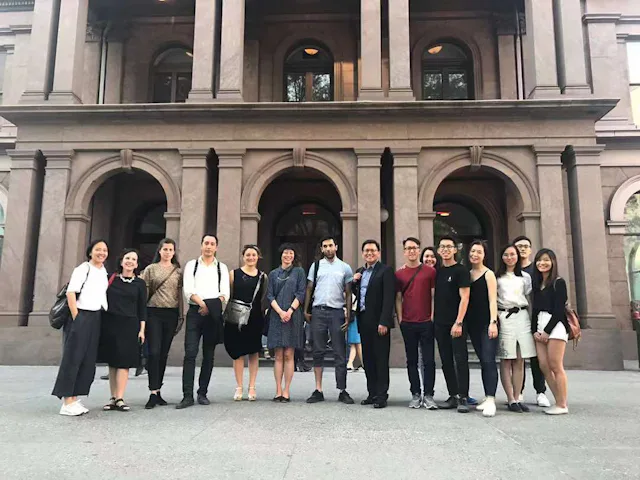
(185, 402)
(380, 404)
(203, 400)
(367, 401)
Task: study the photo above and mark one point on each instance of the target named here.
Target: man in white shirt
(206, 289)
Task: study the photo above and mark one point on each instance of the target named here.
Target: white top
(205, 284)
(513, 290)
(94, 292)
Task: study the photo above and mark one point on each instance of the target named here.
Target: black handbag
(60, 313)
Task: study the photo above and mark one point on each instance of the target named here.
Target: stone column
(572, 72)
(552, 219)
(540, 72)
(588, 233)
(195, 173)
(232, 51)
(249, 230)
(40, 57)
(425, 227)
(76, 241)
(399, 51)
(368, 194)
(229, 195)
(348, 251)
(405, 198)
(370, 51)
(52, 235)
(21, 233)
(92, 58)
(72, 30)
(172, 220)
(508, 67)
(204, 36)
(531, 228)
(115, 65)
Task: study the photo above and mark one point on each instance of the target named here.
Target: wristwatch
(493, 322)
(459, 323)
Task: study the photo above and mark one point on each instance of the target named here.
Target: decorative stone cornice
(16, 5)
(601, 17)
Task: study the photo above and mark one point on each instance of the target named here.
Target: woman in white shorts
(550, 326)
(515, 341)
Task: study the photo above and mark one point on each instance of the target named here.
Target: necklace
(127, 280)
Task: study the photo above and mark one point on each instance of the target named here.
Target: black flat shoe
(524, 407)
(380, 404)
(515, 407)
(367, 401)
(203, 400)
(185, 403)
(277, 398)
(161, 401)
(153, 402)
(285, 399)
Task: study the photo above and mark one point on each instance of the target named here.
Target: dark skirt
(78, 366)
(246, 341)
(119, 347)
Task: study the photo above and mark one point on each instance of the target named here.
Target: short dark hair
(209, 235)
(372, 242)
(520, 238)
(93, 244)
(251, 247)
(290, 246)
(411, 239)
(482, 243)
(553, 274)
(502, 267)
(449, 238)
(328, 237)
(162, 243)
(121, 257)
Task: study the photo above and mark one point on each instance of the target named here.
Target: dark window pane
(295, 87)
(162, 88)
(432, 86)
(457, 88)
(183, 87)
(321, 87)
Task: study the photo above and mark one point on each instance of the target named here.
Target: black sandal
(111, 405)
(121, 406)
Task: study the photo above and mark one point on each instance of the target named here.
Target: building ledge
(436, 111)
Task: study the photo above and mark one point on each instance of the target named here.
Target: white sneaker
(543, 401)
(82, 407)
(480, 407)
(489, 409)
(556, 410)
(71, 410)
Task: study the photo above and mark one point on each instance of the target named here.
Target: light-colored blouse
(513, 290)
(94, 283)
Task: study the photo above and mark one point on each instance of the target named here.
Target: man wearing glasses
(523, 244)
(450, 307)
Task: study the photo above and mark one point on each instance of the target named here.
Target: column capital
(589, 151)
(24, 159)
(196, 158)
(58, 159)
(77, 217)
(427, 215)
(349, 215)
(405, 157)
(368, 157)
(172, 215)
(230, 158)
(548, 155)
(522, 216)
(253, 216)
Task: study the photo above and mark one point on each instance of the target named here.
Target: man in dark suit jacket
(375, 293)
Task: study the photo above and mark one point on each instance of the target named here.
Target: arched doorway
(128, 210)
(308, 74)
(300, 207)
(460, 219)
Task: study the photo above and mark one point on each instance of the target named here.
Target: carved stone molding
(475, 153)
(298, 157)
(126, 158)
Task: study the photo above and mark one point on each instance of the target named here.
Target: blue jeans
(485, 348)
(325, 321)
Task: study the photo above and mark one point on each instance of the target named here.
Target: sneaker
(316, 396)
(472, 401)
(524, 408)
(543, 401)
(185, 402)
(367, 401)
(489, 409)
(416, 401)
(482, 405)
(429, 403)
(515, 407)
(153, 401)
(82, 407)
(463, 405)
(556, 410)
(450, 404)
(71, 410)
(345, 398)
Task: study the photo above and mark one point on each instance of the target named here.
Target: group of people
(512, 314)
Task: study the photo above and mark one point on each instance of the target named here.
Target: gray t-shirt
(331, 282)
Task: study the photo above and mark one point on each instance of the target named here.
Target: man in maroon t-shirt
(415, 284)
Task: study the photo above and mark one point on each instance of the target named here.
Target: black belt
(512, 310)
(324, 307)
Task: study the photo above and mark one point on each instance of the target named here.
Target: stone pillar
(249, 229)
(370, 51)
(368, 195)
(588, 233)
(195, 173)
(425, 227)
(20, 240)
(405, 199)
(572, 72)
(552, 208)
(348, 251)
(115, 66)
(204, 36)
(229, 195)
(52, 235)
(540, 72)
(40, 59)
(508, 67)
(232, 51)
(76, 241)
(531, 228)
(172, 229)
(399, 51)
(92, 58)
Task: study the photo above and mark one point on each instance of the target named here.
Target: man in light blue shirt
(329, 296)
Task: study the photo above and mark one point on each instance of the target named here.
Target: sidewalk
(600, 439)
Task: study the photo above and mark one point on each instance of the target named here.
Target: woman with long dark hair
(550, 327)
(164, 313)
(515, 338)
(429, 256)
(87, 298)
(123, 327)
(285, 294)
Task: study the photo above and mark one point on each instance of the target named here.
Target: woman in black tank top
(481, 323)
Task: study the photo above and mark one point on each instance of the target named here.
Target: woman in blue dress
(285, 294)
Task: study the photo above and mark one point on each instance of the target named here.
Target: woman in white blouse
(87, 297)
(515, 341)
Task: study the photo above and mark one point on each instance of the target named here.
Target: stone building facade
(282, 121)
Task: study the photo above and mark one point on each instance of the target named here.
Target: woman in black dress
(247, 339)
(123, 327)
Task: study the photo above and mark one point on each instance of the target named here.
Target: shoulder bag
(573, 320)
(237, 311)
(60, 313)
(316, 267)
(406, 287)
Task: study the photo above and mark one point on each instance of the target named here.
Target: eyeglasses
(370, 250)
(523, 247)
(447, 247)
(411, 249)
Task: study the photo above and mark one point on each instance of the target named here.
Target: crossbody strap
(406, 287)
(162, 283)
(85, 280)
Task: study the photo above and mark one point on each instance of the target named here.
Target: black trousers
(160, 329)
(375, 357)
(485, 348)
(198, 327)
(420, 336)
(539, 382)
(78, 366)
(455, 359)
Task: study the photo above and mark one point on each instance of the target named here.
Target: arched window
(171, 77)
(308, 75)
(447, 72)
(632, 245)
